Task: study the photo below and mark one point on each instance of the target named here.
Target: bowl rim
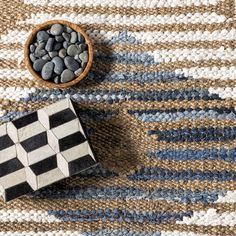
(29, 64)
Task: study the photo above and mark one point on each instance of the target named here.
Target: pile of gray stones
(59, 54)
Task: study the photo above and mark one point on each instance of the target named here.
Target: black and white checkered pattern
(42, 148)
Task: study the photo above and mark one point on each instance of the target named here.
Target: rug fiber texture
(159, 108)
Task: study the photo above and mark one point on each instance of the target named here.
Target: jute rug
(159, 107)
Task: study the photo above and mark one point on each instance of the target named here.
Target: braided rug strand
(159, 107)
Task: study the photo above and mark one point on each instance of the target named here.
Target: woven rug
(159, 107)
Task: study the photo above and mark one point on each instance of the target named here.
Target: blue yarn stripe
(11, 115)
(193, 115)
(221, 110)
(85, 114)
(156, 173)
(118, 215)
(124, 95)
(129, 193)
(121, 232)
(196, 134)
(97, 171)
(133, 77)
(191, 154)
(123, 37)
(96, 114)
(126, 57)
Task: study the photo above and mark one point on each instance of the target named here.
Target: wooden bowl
(29, 64)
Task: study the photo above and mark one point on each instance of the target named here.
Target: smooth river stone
(40, 46)
(76, 57)
(46, 57)
(58, 65)
(80, 37)
(56, 80)
(62, 53)
(42, 36)
(47, 70)
(66, 36)
(65, 44)
(57, 47)
(49, 44)
(72, 50)
(68, 30)
(32, 48)
(81, 46)
(84, 56)
(71, 63)
(79, 50)
(38, 64)
(73, 38)
(83, 64)
(32, 57)
(78, 72)
(67, 75)
(59, 38)
(40, 51)
(53, 54)
(56, 29)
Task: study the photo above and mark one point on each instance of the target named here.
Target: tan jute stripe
(144, 47)
(95, 204)
(150, 184)
(163, 105)
(99, 225)
(108, 67)
(135, 86)
(218, 8)
(150, 27)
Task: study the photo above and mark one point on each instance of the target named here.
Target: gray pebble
(42, 36)
(59, 38)
(58, 65)
(78, 72)
(32, 57)
(68, 30)
(73, 38)
(62, 53)
(56, 80)
(56, 29)
(54, 75)
(83, 64)
(66, 36)
(72, 50)
(81, 46)
(46, 57)
(47, 70)
(84, 56)
(49, 44)
(39, 51)
(38, 64)
(71, 63)
(80, 37)
(65, 45)
(53, 54)
(57, 47)
(40, 46)
(76, 57)
(67, 75)
(32, 48)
